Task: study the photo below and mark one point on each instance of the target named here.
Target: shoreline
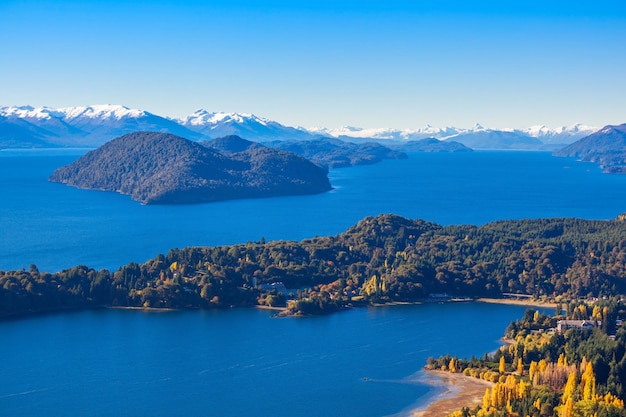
(458, 391)
(264, 307)
(148, 309)
(279, 309)
(511, 301)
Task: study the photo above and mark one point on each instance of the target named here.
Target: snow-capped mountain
(92, 126)
(103, 112)
(81, 126)
(245, 125)
(560, 135)
(477, 136)
(390, 134)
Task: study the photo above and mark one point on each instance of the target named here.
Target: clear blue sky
(401, 64)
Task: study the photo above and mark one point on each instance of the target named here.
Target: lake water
(241, 362)
(57, 227)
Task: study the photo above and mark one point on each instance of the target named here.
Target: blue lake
(242, 362)
(57, 227)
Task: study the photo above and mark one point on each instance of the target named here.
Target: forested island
(382, 259)
(161, 168)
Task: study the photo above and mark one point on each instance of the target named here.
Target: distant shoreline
(150, 309)
(282, 309)
(459, 391)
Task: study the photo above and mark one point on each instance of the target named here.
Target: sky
(392, 64)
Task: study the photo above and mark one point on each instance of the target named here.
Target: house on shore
(563, 325)
(274, 286)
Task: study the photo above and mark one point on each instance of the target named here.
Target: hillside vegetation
(545, 371)
(381, 259)
(161, 168)
(606, 147)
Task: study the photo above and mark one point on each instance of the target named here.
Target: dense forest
(550, 371)
(335, 153)
(161, 168)
(381, 259)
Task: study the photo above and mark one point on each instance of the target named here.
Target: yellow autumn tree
(568, 409)
(452, 365)
(596, 313)
(570, 387)
(588, 383)
(612, 400)
(371, 286)
(523, 389)
(487, 400)
(532, 370)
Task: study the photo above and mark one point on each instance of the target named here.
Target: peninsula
(380, 260)
(605, 147)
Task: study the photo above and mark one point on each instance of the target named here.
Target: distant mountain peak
(202, 117)
(100, 111)
(103, 111)
(245, 125)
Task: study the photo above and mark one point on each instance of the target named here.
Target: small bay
(238, 362)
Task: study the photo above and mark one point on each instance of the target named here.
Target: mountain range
(91, 126)
(477, 137)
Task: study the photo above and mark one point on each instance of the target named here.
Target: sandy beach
(461, 391)
(264, 307)
(512, 301)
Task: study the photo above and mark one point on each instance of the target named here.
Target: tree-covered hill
(433, 145)
(381, 259)
(161, 168)
(336, 153)
(606, 147)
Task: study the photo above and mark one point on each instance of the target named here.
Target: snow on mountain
(28, 112)
(205, 118)
(244, 125)
(88, 126)
(488, 138)
(561, 135)
(390, 134)
(96, 124)
(102, 112)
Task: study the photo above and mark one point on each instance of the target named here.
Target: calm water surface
(240, 362)
(56, 227)
(363, 362)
